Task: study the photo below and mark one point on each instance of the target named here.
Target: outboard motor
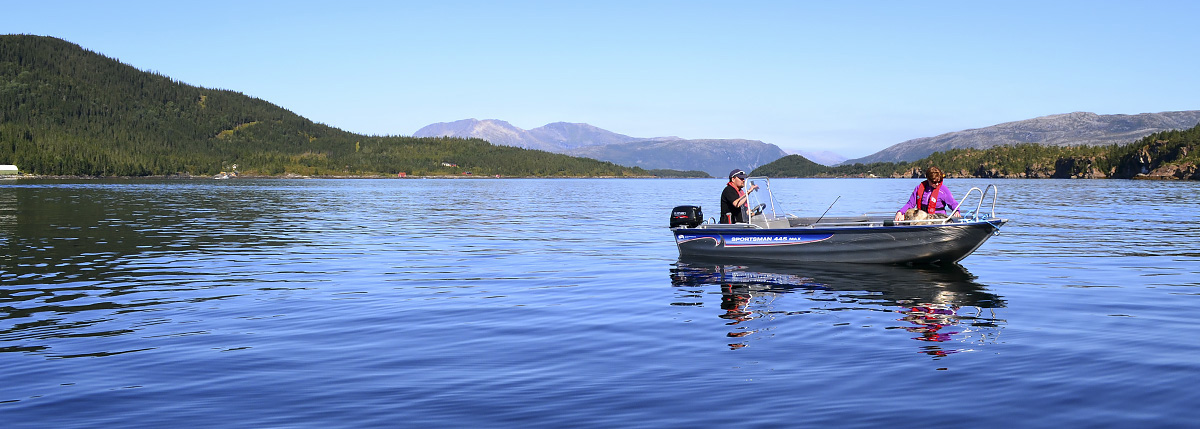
(689, 216)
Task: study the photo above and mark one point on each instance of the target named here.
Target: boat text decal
(774, 240)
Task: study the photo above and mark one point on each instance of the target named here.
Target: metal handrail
(982, 195)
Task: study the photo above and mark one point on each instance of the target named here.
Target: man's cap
(737, 173)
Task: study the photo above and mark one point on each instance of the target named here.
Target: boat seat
(763, 222)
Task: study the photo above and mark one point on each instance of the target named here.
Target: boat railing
(977, 214)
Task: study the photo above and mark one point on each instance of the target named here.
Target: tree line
(1168, 154)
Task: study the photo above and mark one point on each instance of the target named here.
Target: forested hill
(1068, 129)
(1167, 155)
(65, 110)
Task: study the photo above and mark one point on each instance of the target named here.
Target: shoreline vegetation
(66, 112)
(1167, 155)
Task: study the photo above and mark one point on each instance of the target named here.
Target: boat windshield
(762, 197)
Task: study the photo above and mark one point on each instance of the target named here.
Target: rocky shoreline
(1069, 169)
(1153, 161)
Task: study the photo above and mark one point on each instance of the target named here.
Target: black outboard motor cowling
(689, 216)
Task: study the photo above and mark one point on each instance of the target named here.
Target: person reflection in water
(735, 301)
(929, 320)
(930, 200)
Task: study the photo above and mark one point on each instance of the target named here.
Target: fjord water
(561, 303)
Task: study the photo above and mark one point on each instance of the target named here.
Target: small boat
(866, 239)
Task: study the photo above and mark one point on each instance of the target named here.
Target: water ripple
(551, 303)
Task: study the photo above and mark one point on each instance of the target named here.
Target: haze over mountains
(1068, 129)
(555, 137)
(713, 156)
(823, 157)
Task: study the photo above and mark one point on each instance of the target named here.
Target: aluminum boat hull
(895, 244)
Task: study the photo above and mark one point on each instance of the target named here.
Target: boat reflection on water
(943, 306)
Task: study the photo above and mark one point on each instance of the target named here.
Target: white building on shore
(8, 170)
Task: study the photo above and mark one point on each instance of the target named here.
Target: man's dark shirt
(728, 196)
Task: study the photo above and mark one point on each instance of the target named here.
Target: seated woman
(929, 200)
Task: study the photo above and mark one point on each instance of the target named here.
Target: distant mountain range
(1068, 129)
(822, 157)
(717, 156)
(713, 156)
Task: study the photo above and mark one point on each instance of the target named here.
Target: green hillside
(65, 110)
(791, 166)
(1165, 155)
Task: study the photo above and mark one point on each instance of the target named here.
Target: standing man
(734, 200)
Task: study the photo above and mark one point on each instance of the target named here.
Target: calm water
(556, 303)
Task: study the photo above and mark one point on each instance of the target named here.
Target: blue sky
(851, 77)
